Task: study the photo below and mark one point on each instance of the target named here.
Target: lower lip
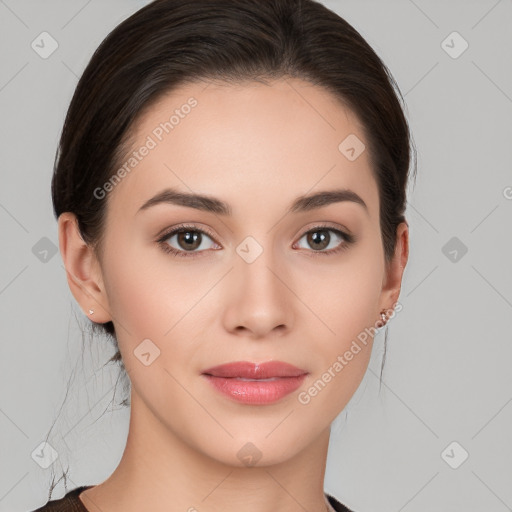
(255, 392)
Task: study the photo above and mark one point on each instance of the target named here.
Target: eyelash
(348, 240)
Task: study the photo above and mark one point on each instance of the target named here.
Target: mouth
(253, 383)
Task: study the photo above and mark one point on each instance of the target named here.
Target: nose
(259, 301)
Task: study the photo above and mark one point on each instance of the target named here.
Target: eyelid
(328, 225)
(165, 233)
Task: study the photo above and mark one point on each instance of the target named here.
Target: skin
(256, 147)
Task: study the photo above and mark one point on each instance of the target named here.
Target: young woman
(230, 190)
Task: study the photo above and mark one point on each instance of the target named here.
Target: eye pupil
(323, 239)
(191, 238)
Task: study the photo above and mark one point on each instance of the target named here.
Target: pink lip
(226, 379)
(249, 370)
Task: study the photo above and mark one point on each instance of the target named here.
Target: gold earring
(383, 317)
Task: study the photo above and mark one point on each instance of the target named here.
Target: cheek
(153, 299)
(148, 291)
(342, 357)
(346, 295)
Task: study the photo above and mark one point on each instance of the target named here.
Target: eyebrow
(213, 205)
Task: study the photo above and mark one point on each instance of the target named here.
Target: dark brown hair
(168, 43)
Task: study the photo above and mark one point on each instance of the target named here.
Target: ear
(83, 270)
(395, 268)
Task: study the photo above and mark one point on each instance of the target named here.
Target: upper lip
(248, 370)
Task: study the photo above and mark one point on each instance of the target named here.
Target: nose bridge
(261, 301)
(256, 264)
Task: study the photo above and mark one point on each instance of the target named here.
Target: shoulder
(69, 503)
(336, 505)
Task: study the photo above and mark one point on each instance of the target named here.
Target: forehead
(267, 142)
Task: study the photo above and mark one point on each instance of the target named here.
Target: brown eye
(321, 241)
(190, 241)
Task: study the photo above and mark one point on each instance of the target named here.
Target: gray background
(447, 376)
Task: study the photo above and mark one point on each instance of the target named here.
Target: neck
(161, 472)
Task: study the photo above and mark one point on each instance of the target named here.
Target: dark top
(71, 503)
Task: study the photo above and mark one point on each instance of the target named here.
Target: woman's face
(251, 284)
